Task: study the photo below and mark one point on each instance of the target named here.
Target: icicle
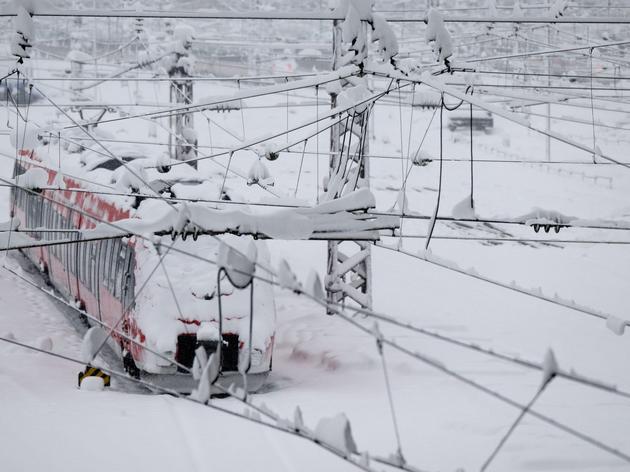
(550, 367)
(616, 325)
(314, 285)
(402, 202)
(597, 157)
(286, 277)
(378, 335)
(298, 420)
(182, 218)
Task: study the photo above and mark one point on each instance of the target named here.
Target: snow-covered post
(349, 274)
(23, 32)
(181, 92)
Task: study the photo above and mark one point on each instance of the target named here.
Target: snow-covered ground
(326, 366)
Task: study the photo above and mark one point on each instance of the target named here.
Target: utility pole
(183, 139)
(349, 269)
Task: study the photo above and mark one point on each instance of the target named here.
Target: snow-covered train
(167, 300)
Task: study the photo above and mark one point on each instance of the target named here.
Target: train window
(68, 249)
(61, 223)
(120, 269)
(129, 280)
(103, 269)
(84, 262)
(26, 212)
(38, 211)
(46, 224)
(93, 265)
(44, 234)
(78, 259)
(113, 260)
(55, 217)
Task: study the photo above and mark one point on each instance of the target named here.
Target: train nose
(187, 344)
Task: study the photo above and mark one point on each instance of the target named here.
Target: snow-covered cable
(439, 192)
(513, 426)
(514, 288)
(258, 92)
(493, 393)
(279, 426)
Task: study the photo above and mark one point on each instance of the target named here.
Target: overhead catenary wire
(516, 422)
(556, 301)
(278, 426)
(472, 383)
(258, 92)
(504, 114)
(329, 115)
(304, 147)
(264, 279)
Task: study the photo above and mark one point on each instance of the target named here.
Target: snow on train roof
(182, 292)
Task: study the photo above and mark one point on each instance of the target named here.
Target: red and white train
(167, 300)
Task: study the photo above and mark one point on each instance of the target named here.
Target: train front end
(177, 313)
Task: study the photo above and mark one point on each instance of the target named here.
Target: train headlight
(166, 360)
(257, 357)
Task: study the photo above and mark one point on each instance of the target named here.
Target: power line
(443, 368)
(507, 240)
(516, 360)
(559, 76)
(306, 15)
(514, 288)
(295, 430)
(438, 365)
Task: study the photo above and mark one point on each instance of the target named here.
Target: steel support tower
(349, 271)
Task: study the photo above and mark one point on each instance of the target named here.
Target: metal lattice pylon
(349, 274)
(182, 145)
